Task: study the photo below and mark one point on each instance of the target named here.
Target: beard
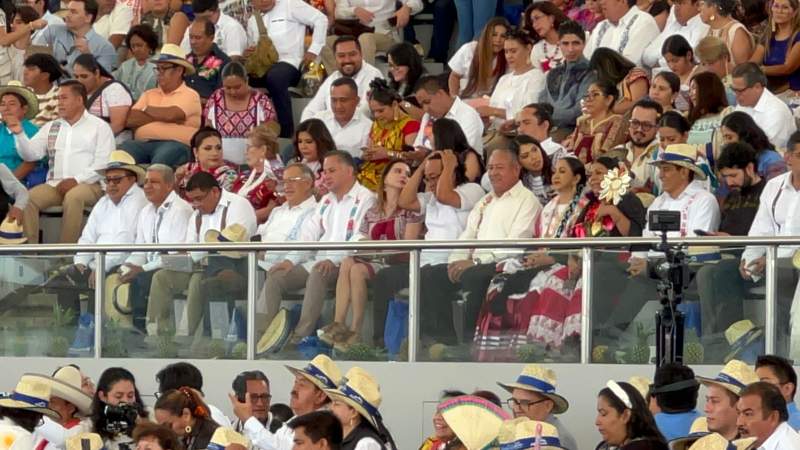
(642, 142)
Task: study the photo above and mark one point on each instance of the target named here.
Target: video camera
(120, 418)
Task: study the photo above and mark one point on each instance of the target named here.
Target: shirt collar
(307, 203)
(513, 192)
(628, 15)
(454, 108)
(224, 200)
(168, 202)
(776, 438)
(763, 101)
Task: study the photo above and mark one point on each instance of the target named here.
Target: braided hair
(381, 92)
(577, 168)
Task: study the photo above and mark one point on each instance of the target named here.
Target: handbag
(265, 53)
(350, 27)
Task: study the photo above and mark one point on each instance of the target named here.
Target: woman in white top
(14, 43)
(680, 60)
(520, 87)
(717, 15)
(477, 65)
(108, 99)
(542, 21)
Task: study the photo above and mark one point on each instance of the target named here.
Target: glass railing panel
(787, 303)
(509, 306)
(626, 296)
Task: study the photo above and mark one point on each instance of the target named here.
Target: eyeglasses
(115, 180)
(162, 69)
(644, 126)
(524, 404)
(294, 180)
(740, 90)
(264, 398)
(592, 95)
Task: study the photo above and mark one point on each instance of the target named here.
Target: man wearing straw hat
(722, 395)
(71, 403)
(533, 395)
(763, 415)
(22, 409)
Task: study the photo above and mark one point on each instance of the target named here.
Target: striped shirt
(48, 106)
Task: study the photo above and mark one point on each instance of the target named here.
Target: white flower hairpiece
(614, 186)
(620, 393)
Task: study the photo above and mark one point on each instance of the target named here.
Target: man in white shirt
(351, 64)
(163, 221)
(769, 112)
(113, 21)
(230, 35)
(215, 209)
(284, 224)
(286, 22)
(684, 19)
(626, 29)
(349, 128)
(252, 388)
(434, 97)
(112, 221)
(41, 8)
(778, 215)
(508, 212)
(77, 144)
(763, 415)
(536, 120)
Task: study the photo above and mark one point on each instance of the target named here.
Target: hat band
(320, 375)
(222, 238)
(548, 441)
(34, 401)
(8, 235)
(356, 397)
(213, 446)
(725, 378)
(170, 59)
(537, 383)
(674, 157)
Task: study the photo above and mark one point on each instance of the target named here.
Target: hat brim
(132, 168)
(30, 98)
(743, 342)
(560, 404)
(275, 335)
(336, 395)
(213, 237)
(67, 392)
(16, 404)
(698, 172)
(176, 61)
(731, 387)
(6, 241)
(683, 443)
(308, 376)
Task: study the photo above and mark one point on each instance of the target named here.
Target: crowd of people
(746, 407)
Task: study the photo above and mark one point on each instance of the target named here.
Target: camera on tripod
(120, 418)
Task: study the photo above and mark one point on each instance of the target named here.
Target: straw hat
(733, 377)
(224, 437)
(321, 371)
(11, 233)
(232, 233)
(360, 391)
(173, 54)
(16, 87)
(684, 155)
(31, 394)
(76, 442)
(120, 159)
(716, 441)
(536, 378)
(522, 433)
(66, 384)
(739, 335)
(275, 335)
(699, 429)
(474, 420)
(642, 384)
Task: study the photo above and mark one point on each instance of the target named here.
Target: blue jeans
(472, 17)
(171, 153)
(444, 11)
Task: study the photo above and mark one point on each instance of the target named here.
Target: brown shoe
(329, 333)
(347, 340)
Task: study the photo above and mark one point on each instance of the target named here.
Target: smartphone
(702, 233)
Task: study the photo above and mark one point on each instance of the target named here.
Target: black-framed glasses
(524, 404)
(264, 398)
(644, 126)
(115, 180)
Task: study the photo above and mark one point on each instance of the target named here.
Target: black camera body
(120, 418)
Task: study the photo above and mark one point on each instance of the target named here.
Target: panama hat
(76, 442)
(223, 437)
(275, 335)
(642, 384)
(684, 155)
(173, 54)
(232, 233)
(716, 441)
(11, 233)
(66, 384)
(31, 394)
(361, 391)
(739, 335)
(321, 371)
(15, 87)
(475, 421)
(522, 433)
(538, 379)
(698, 429)
(735, 376)
(122, 160)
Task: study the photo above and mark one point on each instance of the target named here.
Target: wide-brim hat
(76, 442)
(642, 384)
(521, 433)
(66, 384)
(122, 160)
(474, 420)
(361, 391)
(536, 378)
(735, 376)
(716, 441)
(698, 429)
(275, 335)
(31, 394)
(174, 54)
(321, 371)
(15, 87)
(223, 437)
(232, 233)
(739, 335)
(11, 232)
(684, 155)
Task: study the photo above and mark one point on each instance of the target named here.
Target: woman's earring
(188, 429)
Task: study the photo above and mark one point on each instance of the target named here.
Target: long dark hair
(24, 418)
(547, 167)
(547, 8)
(712, 100)
(404, 54)
(748, 131)
(108, 379)
(609, 65)
(484, 72)
(642, 424)
(448, 135)
(381, 92)
(319, 133)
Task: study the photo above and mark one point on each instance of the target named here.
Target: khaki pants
(371, 43)
(45, 196)
(317, 285)
(275, 287)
